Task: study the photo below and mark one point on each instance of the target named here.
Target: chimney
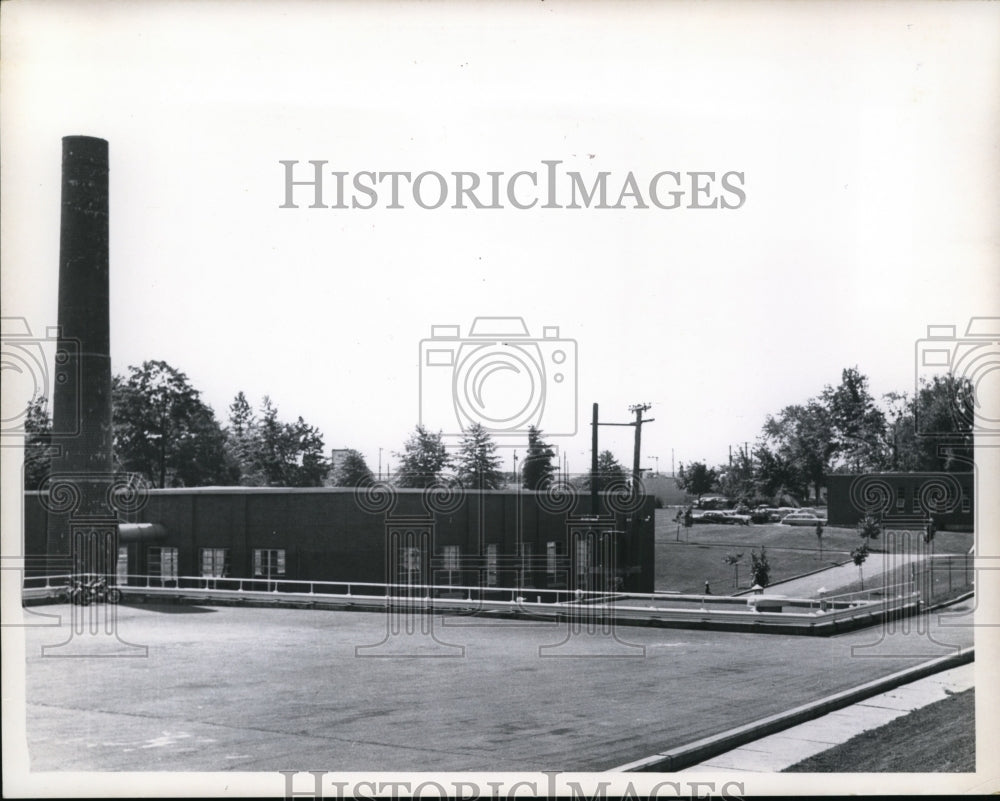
(82, 524)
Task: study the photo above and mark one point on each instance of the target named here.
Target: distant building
(665, 489)
(913, 497)
(337, 457)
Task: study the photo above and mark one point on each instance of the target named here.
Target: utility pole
(638, 409)
(379, 464)
(673, 473)
(593, 462)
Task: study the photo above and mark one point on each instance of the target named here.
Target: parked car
(802, 518)
(721, 516)
(765, 514)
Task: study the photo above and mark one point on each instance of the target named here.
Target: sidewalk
(840, 576)
(782, 750)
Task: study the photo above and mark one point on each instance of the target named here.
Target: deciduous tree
(37, 443)
(353, 471)
(422, 459)
(164, 431)
(696, 478)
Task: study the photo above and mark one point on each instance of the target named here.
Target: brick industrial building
(948, 497)
(470, 538)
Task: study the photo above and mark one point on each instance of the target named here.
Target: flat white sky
(867, 134)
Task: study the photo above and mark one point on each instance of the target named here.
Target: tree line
(844, 429)
(166, 433)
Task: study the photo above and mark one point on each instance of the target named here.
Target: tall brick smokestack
(82, 524)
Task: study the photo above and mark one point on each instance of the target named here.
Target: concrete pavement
(842, 575)
(269, 689)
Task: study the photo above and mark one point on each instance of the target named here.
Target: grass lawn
(939, 738)
(684, 565)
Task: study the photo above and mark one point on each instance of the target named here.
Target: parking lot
(255, 689)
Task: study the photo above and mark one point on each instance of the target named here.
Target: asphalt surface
(251, 689)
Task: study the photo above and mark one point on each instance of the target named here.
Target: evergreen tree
(287, 454)
(309, 465)
(478, 463)
(538, 469)
(609, 470)
(243, 442)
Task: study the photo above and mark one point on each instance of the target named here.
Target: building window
(966, 503)
(900, 499)
(162, 562)
(214, 562)
(451, 560)
(551, 560)
(582, 562)
(121, 568)
(268, 562)
(409, 565)
(527, 573)
(491, 565)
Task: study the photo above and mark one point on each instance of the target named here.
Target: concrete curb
(942, 604)
(693, 753)
(795, 578)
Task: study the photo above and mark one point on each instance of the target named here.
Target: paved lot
(267, 689)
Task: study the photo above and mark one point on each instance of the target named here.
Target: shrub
(760, 568)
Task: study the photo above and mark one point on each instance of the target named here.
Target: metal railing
(446, 596)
